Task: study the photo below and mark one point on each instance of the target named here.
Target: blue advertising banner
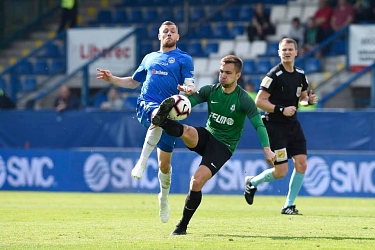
(92, 128)
(104, 170)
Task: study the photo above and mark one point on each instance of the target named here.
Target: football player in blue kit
(160, 73)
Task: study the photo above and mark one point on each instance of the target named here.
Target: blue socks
(265, 176)
(295, 185)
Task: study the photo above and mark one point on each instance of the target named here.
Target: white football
(181, 108)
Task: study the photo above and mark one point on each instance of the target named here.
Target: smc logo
(22, 172)
(341, 176)
(99, 173)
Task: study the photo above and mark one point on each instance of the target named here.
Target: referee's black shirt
(285, 89)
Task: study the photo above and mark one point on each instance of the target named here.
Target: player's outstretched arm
(124, 82)
(187, 89)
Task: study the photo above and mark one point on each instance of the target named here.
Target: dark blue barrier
(48, 129)
(329, 174)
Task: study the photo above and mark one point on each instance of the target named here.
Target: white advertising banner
(83, 44)
(361, 46)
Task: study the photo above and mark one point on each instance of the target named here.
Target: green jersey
(226, 112)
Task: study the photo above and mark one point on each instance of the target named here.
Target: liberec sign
(328, 174)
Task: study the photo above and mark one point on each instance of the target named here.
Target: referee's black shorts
(287, 137)
(214, 153)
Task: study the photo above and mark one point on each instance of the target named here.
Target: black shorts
(214, 153)
(286, 139)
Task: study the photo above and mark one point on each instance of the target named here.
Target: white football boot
(164, 210)
(139, 168)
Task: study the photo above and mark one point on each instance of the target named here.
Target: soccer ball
(181, 108)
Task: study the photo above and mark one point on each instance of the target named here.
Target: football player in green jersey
(228, 107)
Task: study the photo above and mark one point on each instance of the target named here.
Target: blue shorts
(144, 112)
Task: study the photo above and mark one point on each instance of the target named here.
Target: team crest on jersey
(171, 59)
(233, 108)
(299, 90)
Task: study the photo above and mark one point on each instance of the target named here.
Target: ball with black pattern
(181, 109)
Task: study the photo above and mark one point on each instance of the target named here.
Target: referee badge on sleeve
(266, 82)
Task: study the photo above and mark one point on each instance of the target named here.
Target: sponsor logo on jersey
(221, 119)
(266, 82)
(160, 63)
(159, 72)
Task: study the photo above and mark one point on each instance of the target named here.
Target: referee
(282, 89)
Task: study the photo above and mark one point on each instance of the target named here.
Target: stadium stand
(57, 66)
(215, 28)
(312, 65)
(211, 47)
(25, 67)
(52, 50)
(41, 67)
(119, 16)
(29, 84)
(3, 84)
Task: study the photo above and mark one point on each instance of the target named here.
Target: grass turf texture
(42, 220)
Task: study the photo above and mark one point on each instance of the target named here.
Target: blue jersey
(161, 72)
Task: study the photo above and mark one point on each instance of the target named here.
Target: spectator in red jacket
(343, 15)
(322, 19)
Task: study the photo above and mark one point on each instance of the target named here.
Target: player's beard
(169, 44)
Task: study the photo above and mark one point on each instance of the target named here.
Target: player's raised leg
(144, 115)
(162, 114)
(151, 139)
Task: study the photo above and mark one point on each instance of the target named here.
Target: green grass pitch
(43, 220)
